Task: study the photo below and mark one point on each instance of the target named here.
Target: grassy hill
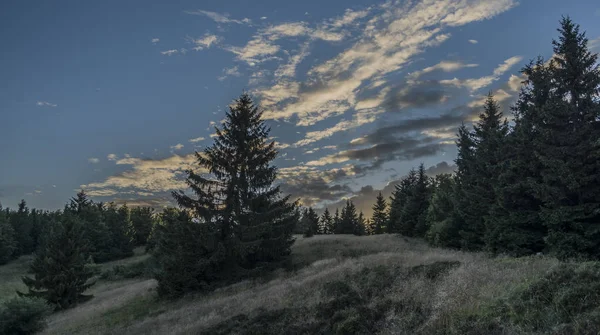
(345, 284)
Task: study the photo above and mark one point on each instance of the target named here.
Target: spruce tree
(360, 228)
(311, 222)
(96, 231)
(515, 226)
(327, 223)
(569, 150)
(255, 221)
(8, 244)
(118, 223)
(59, 267)
(141, 223)
(441, 215)
(348, 220)
(398, 201)
(380, 218)
(471, 236)
(190, 255)
(21, 223)
(414, 221)
(337, 220)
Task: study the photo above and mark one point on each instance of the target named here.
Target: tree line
(523, 187)
(520, 188)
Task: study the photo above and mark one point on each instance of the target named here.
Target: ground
(339, 284)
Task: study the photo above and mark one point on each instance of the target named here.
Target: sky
(114, 97)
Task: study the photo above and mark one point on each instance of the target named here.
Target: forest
(527, 184)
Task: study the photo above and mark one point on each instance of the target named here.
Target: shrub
(23, 316)
(134, 270)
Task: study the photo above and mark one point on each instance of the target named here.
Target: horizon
(114, 100)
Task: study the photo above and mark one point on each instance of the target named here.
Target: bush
(23, 316)
(135, 270)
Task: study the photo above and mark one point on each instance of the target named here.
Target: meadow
(344, 284)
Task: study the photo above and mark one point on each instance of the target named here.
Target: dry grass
(130, 307)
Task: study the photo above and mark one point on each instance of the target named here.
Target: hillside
(345, 284)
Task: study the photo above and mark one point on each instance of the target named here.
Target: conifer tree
(59, 267)
(8, 244)
(327, 223)
(398, 200)
(361, 225)
(141, 223)
(96, 231)
(441, 215)
(380, 218)
(311, 222)
(21, 223)
(348, 220)
(569, 150)
(337, 220)
(118, 223)
(471, 235)
(515, 226)
(255, 221)
(414, 221)
(489, 134)
(190, 255)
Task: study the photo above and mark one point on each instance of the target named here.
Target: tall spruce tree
(348, 220)
(569, 150)
(441, 215)
(380, 217)
(59, 267)
(96, 231)
(118, 223)
(398, 200)
(21, 223)
(337, 220)
(514, 224)
(190, 255)
(8, 244)
(141, 223)
(361, 226)
(311, 222)
(471, 235)
(413, 222)
(490, 139)
(255, 221)
(327, 223)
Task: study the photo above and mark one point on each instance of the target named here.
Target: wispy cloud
(473, 41)
(145, 175)
(155, 40)
(196, 140)
(392, 36)
(177, 146)
(217, 17)
(111, 157)
(94, 160)
(203, 42)
(228, 72)
(474, 84)
(170, 52)
(45, 104)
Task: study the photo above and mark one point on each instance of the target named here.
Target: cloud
(177, 146)
(169, 52)
(390, 39)
(145, 175)
(155, 40)
(398, 148)
(45, 104)
(219, 18)
(227, 72)
(111, 157)
(196, 140)
(473, 41)
(203, 42)
(446, 66)
(94, 160)
(263, 18)
(475, 84)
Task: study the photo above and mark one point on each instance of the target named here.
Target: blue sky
(115, 96)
